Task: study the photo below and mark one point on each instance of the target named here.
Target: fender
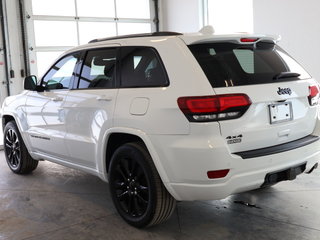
(21, 126)
(14, 106)
(101, 163)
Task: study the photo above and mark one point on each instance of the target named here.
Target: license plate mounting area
(280, 112)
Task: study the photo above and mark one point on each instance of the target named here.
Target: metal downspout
(4, 30)
(156, 14)
(23, 18)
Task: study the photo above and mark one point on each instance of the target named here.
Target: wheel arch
(119, 136)
(7, 118)
(117, 139)
(22, 126)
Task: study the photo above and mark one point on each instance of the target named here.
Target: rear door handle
(104, 98)
(57, 99)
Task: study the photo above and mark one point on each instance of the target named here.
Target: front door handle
(104, 98)
(57, 99)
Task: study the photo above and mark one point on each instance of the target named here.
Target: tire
(17, 155)
(136, 188)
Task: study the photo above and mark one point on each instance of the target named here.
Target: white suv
(165, 117)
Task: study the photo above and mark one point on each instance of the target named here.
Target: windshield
(229, 64)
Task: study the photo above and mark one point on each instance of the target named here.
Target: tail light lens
(214, 108)
(313, 95)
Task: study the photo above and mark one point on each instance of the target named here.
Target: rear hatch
(279, 96)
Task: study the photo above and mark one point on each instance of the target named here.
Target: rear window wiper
(285, 75)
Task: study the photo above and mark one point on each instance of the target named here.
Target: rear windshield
(230, 64)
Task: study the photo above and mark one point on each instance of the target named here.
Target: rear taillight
(214, 108)
(313, 95)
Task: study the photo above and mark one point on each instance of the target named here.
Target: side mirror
(30, 83)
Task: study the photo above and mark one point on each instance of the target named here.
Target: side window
(99, 69)
(141, 67)
(61, 74)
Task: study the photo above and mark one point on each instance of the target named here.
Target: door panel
(46, 122)
(90, 107)
(45, 112)
(89, 114)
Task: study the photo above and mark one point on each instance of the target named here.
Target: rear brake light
(217, 173)
(249, 40)
(313, 95)
(214, 108)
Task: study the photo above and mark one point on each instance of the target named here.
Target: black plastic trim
(278, 148)
(154, 34)
(284, 175)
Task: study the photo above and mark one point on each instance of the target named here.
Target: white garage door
(57, 25)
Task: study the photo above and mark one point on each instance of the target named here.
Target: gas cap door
(139, 106)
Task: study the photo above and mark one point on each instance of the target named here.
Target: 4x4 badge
(234, 139)
(282, 91)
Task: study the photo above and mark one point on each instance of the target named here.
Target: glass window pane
(141, 67)
(133, 9)
(130, 28)
(61, 73)
(246, 59)
(96, 8)
(232, 65)
(99, 69)
(92, 30)
(55, 33)
(230, 16)
(45, 61)
(136, 60)
(56, 7)
(293, 66)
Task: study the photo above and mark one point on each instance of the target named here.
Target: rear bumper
(251, 177)
(186, 162)
(279, 148)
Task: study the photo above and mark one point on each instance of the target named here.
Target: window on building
(53, 29)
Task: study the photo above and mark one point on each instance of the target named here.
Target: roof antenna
(207, 30)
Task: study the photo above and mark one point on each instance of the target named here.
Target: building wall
(181, 15)
(298, 24)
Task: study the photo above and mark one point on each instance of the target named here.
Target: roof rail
(154, 34)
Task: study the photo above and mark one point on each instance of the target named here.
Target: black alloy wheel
(136, 188)
(12, 149)
(132, 187)
(16, 153)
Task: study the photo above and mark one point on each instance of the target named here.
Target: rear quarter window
(229, 64)
(141, 67)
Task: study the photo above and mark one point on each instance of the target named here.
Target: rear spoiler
(241, 39)
(207, 35)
